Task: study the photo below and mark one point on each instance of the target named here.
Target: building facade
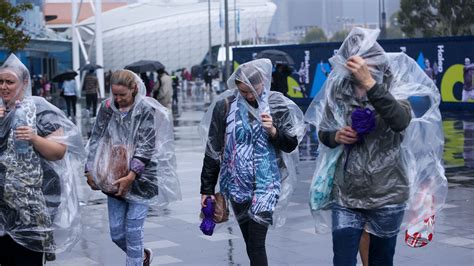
(175, 32)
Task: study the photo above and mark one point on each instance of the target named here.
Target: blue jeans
(126, 220)
(348, 225)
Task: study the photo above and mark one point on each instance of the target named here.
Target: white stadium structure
(175, 32)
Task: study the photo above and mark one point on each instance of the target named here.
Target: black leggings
(254, 235)
(71, 104)
(14, 254)
(91, 103)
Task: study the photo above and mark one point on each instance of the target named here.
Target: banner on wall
(449, 61)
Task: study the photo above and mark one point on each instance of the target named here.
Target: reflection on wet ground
(458, 156)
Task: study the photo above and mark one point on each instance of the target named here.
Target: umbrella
(276, 56)
(145, 66)
(88, 67)
(69, 74)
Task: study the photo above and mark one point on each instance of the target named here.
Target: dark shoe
(148, 257)
(50, 256)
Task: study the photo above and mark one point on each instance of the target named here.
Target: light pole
(382, 20)
(227, 52)
(210, 36)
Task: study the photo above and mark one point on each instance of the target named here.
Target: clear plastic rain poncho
(39, 207)
(420, 152)
(252, 168)
(142, 139)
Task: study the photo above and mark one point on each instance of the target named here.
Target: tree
(394, 31)
(339, 36)
(429, 18)
(315, 34)
(11, 36)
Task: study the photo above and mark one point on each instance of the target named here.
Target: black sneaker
(50, 256)
(148, 257)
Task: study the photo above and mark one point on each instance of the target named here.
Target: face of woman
(123, 95)
(10, 86)
(248, 93)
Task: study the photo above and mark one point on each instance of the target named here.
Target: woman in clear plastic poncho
(131, 159)
(251, 133)
(383, 153)
(40, 159)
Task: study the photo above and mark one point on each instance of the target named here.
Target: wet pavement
(172, 232)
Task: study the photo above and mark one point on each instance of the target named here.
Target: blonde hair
(124, 78)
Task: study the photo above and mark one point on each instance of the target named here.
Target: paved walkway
(174, 236)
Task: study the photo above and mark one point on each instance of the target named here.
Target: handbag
(112, 165)
(221, 211)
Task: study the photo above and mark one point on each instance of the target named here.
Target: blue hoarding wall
(442, 59)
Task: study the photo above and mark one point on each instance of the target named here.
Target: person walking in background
(131, 159)
(41, 154)
(91, 89)
(47, 89)
(250, 129)
(163, 90)
(147, 83)
(280, 79)
(175, 80)
(186, 78)
(69, 90)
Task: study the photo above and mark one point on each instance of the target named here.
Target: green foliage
(339, 36)
(315, 34)
(430, 18)
(11, 36)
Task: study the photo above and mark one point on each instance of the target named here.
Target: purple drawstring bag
(363, 121)
(208, 224)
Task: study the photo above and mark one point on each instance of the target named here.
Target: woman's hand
(2, 111)
(90, 182)
(267, 124)
(203, 200)
(346, 135)
(358, 67)
(124, 183)
(25, 133)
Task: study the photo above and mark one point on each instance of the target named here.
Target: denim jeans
(348, 225)
(126, 220)
(254, 234)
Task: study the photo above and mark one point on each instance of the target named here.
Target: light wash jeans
(126, 220)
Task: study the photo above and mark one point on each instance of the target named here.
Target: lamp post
(227, 52)
(382, 20)
(210, 37)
